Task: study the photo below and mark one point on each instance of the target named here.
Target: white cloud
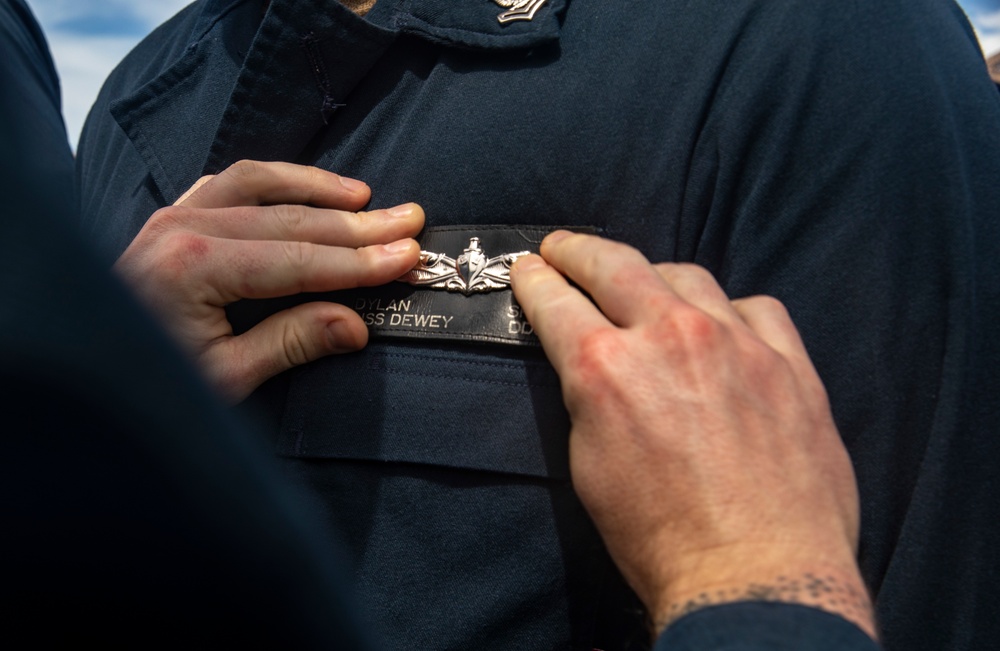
(986, 22)
(990, 21)
(84, 64)
(990, 44)
(84, 55)
(147, 13)
(988, 30)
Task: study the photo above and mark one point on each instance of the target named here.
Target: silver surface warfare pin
(471, 273)
(518, 9)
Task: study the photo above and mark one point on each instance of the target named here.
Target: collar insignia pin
(471, 273)
(518, 9)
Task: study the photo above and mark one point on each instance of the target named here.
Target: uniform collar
(464, 23)
(302, 40)
(470, 23)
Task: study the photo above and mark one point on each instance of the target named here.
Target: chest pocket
(451, 408)
(446, 469)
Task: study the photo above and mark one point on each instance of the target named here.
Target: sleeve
(131, 500)
(757, 626)
(848, 166)
(31, 98)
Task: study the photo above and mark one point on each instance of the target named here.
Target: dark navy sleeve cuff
(760, 626)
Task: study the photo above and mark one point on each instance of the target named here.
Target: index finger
(559, 313)
(265, 269)
(256, 183)
(619, 278)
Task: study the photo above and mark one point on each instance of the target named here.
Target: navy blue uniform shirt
(781, 144)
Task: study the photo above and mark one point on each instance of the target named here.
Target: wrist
(829, 582)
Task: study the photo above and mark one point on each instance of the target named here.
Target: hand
(702, 441)
(261, 230)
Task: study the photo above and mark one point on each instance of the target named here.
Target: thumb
(284, 340)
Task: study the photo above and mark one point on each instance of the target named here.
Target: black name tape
(459, 292)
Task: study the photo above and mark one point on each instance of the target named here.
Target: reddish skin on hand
(702, 441)
(263, 230)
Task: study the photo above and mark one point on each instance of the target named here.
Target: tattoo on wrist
(823, 592)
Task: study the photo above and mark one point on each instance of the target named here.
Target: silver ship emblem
(471, 273)
(518, 9)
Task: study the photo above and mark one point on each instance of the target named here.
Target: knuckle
(688, 275)
(665, 269)
(597, 353)
(660, 304)
(317, 177)
(299, 255)
(598, 376)
(691, 276)
(692, 328)
(295, 345)
(290, 218)
(364, 265)
(768, 313)
(693, 270)
(243, 168)
(168, 218)
(630, 274)
(176, 256)
(184, 246)
(317, 183)
(768, 304)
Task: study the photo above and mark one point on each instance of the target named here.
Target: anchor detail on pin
(518, 9)
(471, 273)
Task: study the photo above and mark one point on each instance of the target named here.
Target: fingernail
(526, 264)
(340, 336)
(557, 236)
(399, 212)
(397, 247)
(353, 184)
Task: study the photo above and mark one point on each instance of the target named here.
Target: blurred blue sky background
(88, 37)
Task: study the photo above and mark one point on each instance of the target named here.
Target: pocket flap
(470, 408)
